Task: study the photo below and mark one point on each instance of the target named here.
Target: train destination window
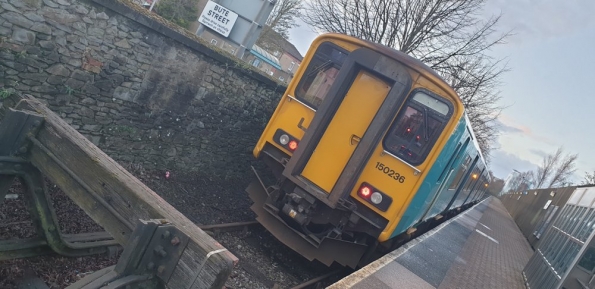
(417, 127)
(320, 74)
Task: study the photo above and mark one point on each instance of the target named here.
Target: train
(366, 146)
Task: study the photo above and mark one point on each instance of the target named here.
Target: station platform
(480, 248)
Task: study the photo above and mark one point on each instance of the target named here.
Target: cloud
(507, 128)
(503, 163)
(542, 19)
(539, 153)
(508, 125)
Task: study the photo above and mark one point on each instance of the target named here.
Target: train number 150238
(390, 172)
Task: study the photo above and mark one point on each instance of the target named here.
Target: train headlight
(284, 139)
(376, 198)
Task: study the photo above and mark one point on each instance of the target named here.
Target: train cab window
(320, 74)
(417, 127)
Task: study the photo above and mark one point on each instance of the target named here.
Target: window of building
(214, 41)
(417, 127)
(320, 74)
(291, 66)
(256, 62)
(281, 78)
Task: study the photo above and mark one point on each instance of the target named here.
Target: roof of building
(287, 46)
(267, 57)
(291, 50)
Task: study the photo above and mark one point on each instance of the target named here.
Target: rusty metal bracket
(148, 260)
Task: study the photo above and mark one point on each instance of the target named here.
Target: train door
(343, 133)
(463, 182)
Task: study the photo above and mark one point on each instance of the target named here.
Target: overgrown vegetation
(69, 90)
(6, 93)
(181, 12)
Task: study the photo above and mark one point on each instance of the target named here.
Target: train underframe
(310, 227)
(347, 234)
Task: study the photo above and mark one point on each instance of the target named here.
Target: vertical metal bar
(5, 184)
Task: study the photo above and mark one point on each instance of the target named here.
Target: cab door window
(417, 127)
(320, 74)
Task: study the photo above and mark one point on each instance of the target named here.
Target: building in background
(277, 57)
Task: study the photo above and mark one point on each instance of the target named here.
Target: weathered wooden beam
(116, 199)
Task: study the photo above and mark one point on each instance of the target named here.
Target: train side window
(320, 74)
(417, 127)
(472, 179)
(459, 176)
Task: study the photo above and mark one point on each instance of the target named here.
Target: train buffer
(480, 248)
(161, 247)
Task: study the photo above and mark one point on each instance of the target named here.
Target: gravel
(264, 262)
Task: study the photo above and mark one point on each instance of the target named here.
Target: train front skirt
(329, 250)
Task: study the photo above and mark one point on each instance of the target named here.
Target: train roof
(408, 60)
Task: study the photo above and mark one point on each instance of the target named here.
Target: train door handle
(354, 139)
(299, 125)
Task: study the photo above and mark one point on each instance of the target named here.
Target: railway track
(320, 281)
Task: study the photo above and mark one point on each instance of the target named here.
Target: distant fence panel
(534, 210)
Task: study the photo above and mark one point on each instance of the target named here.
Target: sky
(547, 94)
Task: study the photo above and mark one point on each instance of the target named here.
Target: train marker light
(284, 139)
(293, 145)
(376, 198)
(365, 192)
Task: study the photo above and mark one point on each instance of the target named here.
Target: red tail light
(365, 192)
(292, 145)
(286, 140)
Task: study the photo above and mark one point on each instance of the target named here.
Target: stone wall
(141, 89)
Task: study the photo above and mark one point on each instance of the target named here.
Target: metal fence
(534, 210)
(565, 257)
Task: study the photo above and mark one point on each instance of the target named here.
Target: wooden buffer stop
(162, 248)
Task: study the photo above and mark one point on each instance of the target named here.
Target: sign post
(239, 21)
(218, 18)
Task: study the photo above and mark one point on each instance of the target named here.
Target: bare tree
(544, 171)
(589, 179)
(280, 21)
(555, 169)
(447, 35)
(563, 171)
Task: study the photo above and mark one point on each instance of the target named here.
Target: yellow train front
(365, 144)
